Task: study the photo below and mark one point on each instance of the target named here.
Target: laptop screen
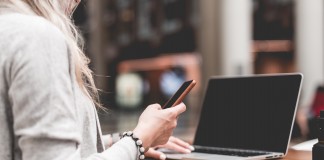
(249, 112)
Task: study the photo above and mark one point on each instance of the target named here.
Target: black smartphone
(180, 94)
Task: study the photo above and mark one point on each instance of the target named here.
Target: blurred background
(142, 51)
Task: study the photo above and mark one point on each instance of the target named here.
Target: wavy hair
(58, 13)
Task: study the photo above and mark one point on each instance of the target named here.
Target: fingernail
(188, 151)
(162, 156)
(191, 148)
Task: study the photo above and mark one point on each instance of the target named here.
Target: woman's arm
(110, 139)
(41, 94)
(174, 143)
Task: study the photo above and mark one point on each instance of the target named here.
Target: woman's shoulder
(24, 37)
(21, 32)
(28, 26)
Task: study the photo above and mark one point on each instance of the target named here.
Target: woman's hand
(173, 144)
(155, 125)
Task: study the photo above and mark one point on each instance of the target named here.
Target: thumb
(155, 154)
(178, 109)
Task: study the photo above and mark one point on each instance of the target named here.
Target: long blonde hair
(55, 11)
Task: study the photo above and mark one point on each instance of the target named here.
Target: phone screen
(180, 94)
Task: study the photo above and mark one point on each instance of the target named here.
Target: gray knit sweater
(44, 115)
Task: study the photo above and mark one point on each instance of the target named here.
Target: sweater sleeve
(42, 99)
(110, 139)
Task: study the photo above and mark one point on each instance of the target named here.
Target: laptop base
(206, 156)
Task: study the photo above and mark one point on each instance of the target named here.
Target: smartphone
(180, 94)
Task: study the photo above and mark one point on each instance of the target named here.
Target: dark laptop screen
(249, 112)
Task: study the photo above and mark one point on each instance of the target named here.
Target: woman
(47, 94)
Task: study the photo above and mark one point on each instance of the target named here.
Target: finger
(159, 107)
(155, 154)
(177, 148)
(181, 143)
(155, 106)
(178, 109)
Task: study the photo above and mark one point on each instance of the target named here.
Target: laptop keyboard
(230, 152)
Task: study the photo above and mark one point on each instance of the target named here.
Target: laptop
(248, 117)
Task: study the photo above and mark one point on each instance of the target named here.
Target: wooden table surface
(298, 155)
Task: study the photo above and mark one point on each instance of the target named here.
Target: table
(298, 155)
